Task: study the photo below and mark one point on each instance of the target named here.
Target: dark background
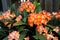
(49, 5)
(0, 5)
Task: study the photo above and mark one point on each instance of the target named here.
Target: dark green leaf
(35, 3)
(21, 28)
(1, 13)
(38, 9)
(22, 35)
(17, 12)
(19, 23)
(24, 14)
(12, 8)
(51, 27)
(3, 27)
(6, 38)
(39, 36)
(55, 22)
(2, 32)
(7, 20)
(24, 19)
(59, 33)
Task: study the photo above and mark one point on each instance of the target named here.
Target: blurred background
(49, 5)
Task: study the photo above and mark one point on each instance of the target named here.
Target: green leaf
(22, 35)
(14, 9)
(7, 20)
(19, 23)
(21, 28)
(42, 37)
(38, 9)
(17, 12)
(24, 19)
(35, 3)
(1, 12)
(39, 36)
(2, 32)
(59, 33)
(51, 27)
(55, 22)
(6, 38)
(24, 14)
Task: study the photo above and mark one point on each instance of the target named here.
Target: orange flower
(9, 26)
(45, 30)
(12, 15)
(49, 36)
(31, 24)
(1, 17)
(40, 29)
(31, 19)
(48, 15)
(56, 29)
(13, 35)
(39, 18)
(5, 23)
(28, 6)
(44, 11)
(55, 38)
(27, 38)
(6, 14)
(28, 9)
(44, 21)
(56, 14)
(18, 19)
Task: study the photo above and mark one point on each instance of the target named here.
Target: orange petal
(28, 9)
(1, 17)
(27, 38)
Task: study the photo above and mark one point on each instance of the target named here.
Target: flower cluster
(41, 29)
(13, 35)
(39, 18)
(28, 6)
(56, 14)
(50, 36)
(7, 15)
